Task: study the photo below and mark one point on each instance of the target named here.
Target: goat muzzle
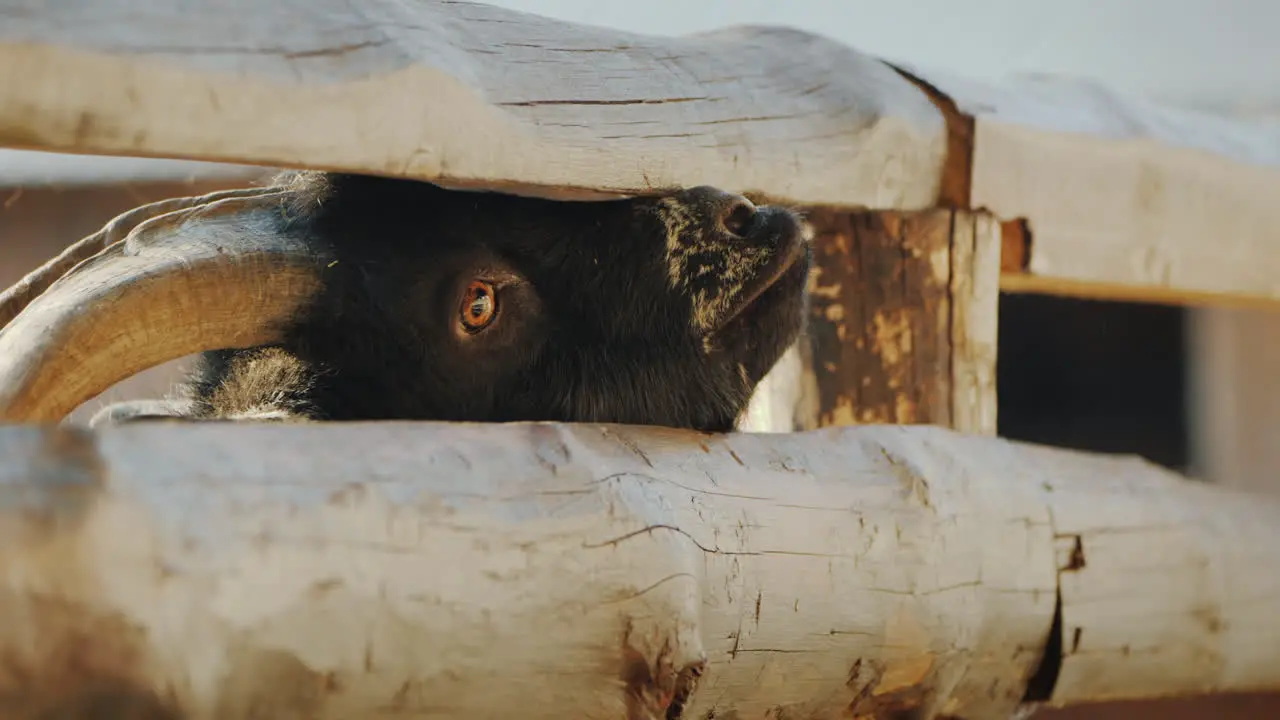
(209, 275)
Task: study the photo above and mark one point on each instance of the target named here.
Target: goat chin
(339, 297)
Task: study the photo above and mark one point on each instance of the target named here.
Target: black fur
(591, 325)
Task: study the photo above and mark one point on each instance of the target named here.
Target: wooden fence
(548, 570)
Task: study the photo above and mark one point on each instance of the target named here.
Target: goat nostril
(737, 219)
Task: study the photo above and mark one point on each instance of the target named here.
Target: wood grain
(1123, 198)
(974, 326)
(468, 95)
(902, 327)
(1120, 197)
(547, 571)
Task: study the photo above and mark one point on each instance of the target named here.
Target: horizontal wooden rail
(1123, 198)
(467, 94)
(1119, 197)
(550, 571)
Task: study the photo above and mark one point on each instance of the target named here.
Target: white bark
(549, 571)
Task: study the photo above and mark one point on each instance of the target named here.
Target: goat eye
(479, 306)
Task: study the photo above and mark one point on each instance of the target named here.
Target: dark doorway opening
(1094, 375)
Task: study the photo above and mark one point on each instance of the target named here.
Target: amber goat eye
(479, 306)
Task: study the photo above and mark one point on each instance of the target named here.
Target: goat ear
(209, 276)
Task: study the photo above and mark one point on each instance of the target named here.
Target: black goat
(475, 306)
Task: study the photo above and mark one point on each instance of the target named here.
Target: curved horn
(210, 276)
(21, 293)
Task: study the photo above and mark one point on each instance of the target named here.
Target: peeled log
(468, 95)
(551, 571)
(1118, 193)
